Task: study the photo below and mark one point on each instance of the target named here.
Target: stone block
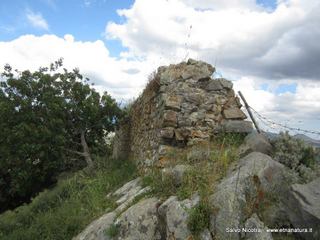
(167, 132)
(225, 83)
(170, 118)
(237, 126)
(234, 113)
(173, 102)
(213, 85)
(199, 134)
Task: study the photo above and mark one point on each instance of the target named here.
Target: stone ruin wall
(180, 107)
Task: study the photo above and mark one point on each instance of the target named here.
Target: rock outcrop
(244, 205)
(97, 229)
(175, 216)
(304, 208)
(255, 142)
(140, 221)
(241, 193)
(181, 106)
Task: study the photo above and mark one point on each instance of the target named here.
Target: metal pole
(250, 113)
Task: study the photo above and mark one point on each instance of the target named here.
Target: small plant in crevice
(161, 185)
(195, 180)
(255, 196)
(112, 231)
(153, 84)
(229, 139)
(199, 218)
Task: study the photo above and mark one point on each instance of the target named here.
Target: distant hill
(309, 140)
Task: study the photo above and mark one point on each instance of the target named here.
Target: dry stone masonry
(182, 105)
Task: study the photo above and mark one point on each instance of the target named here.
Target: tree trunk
(86, 152)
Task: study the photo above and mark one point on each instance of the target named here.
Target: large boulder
(177, 173)
(124, 196)
(241, 192)
(127, 193)
(140, 221)
(304, 208)
(97, 229)
(255, 142)
(256, 230)
(175, 215)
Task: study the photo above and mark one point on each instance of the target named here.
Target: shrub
(199, 218)
(293, 152)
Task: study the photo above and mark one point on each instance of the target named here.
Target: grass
(112, 231)
(65, 210)
(61, 213)
(206, 170)
(199, 218)
(203, 173)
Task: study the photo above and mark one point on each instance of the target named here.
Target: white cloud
(243, 36)
(37, 20)
(218, 4)
(249, 44)
(299, 110)
(122, 78)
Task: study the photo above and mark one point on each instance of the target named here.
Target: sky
(269, 48)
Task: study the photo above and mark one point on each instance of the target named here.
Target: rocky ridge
(242, 203)
(183, 107)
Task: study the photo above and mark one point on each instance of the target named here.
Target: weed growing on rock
(199, 218)
(112, 231)
(162, 185)
(204, 169)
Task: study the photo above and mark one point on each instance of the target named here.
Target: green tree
(48, 118)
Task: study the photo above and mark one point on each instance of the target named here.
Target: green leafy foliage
(42, 117)
(64, 211)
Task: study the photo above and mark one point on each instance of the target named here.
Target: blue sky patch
(285, 88)
(86, 20)
(280, 89)
(264, 87)
(272, 4)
